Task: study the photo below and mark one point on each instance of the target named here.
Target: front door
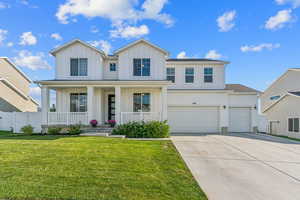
(111, 107)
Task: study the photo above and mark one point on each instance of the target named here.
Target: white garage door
(193, 119)
(239, 120)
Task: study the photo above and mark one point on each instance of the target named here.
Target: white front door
(183, 119)
(239, 120)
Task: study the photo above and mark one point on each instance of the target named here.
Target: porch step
(95, 134)
(97, 130)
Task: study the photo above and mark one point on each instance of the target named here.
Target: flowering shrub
(112, 122)
(93, 123)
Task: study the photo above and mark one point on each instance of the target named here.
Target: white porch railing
(140, 116)
(67, 118)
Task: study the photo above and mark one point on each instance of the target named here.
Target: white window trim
(292, 117)
(87, 74)
(212, 75)
(142, 92)
(174, 75)
(109, 67)
(185, 83)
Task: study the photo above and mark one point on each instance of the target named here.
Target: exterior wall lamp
(224, 106)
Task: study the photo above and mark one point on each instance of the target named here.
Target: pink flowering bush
(112, 123)
(93, 123)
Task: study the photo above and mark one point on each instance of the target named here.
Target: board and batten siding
(77, 50)
(218, 76)
(108, 75)
(142, 50)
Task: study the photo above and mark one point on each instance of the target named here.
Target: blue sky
(260, 37)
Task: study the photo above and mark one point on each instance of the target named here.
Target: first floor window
(112, 67)
(208, 75)
(293, 125)
(79, 66)
(78, 102)
(171, 74)
(141, 66)
(189, 75)
(141, 102)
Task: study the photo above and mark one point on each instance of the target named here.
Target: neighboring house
(281, 104)
(140, 82)
(14, 89)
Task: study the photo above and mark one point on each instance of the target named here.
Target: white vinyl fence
(16, 120)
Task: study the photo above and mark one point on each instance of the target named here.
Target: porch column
(164, 103)
(45, 104)
(90, 103)
(118, 104)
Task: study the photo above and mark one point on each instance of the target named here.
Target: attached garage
(190, 119)
(240, 120)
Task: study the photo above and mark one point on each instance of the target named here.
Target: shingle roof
(240, 88)
(193, 59)
(295, 93)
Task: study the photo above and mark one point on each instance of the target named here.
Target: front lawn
(57, 167)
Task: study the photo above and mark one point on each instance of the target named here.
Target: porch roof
(103, 83)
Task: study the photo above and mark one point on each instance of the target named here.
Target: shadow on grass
(18, 136)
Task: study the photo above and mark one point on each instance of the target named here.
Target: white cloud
(25, 2)
(3, 34)
(56, 36)
(182, 54)
(226, 21)
(102, 44)
(35, 91)
(129, 31)
(27, 38)
(295, 3)
(279, 20)
(94, 29)
(213, 54)
(4, 5)
(10, 44)
(258, 48)
(33, 62)
(114, 10)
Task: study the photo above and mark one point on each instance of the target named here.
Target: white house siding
(290, 81)
(108, 75)
(142, 50)
(288, 107)
(218, 76)
(77, 50)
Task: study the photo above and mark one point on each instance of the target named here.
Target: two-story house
(141, 82)
(15, 89)
(280, 103)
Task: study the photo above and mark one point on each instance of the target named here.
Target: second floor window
(171, 74)
(189, 75)
(78, 102)
(112, 67)
(79, 66)
(141, 67)
(208, 75)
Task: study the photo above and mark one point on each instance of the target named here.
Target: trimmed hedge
(152, 129)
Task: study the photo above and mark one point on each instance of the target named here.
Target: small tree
(27, 130)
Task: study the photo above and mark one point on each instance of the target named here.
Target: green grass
(57, 167)
(286, 137)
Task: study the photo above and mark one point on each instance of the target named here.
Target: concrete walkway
(243, 166)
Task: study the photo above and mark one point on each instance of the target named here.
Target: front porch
(79, 104)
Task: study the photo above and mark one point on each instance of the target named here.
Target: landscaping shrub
(74, 130)
(27, 130)
(54, 130)
(152, 129)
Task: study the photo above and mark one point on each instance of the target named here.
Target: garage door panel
(239, 120)
(194, 119)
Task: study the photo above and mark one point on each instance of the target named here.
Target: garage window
(141, 102)
(189, 75)
(293, 125)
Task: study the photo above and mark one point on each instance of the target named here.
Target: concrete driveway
(243, 166)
